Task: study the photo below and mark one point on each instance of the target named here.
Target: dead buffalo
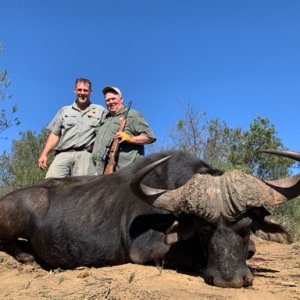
(169, 207)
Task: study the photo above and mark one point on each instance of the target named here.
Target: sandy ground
(276, 268)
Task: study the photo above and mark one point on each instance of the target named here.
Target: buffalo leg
(18, 212)
(19, 249)
(155, 249)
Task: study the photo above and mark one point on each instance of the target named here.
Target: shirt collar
(120, 112)
(88, 108)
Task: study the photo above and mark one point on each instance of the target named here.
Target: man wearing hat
(136, 134)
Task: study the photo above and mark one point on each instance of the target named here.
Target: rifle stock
(111, 163)
(112, 154)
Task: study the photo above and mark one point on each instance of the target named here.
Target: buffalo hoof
(20, 250)
(25, 258)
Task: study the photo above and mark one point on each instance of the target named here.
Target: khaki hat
(111, 89)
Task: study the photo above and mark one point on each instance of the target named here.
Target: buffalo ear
(266, 227)
(282, 237)
(179, 232)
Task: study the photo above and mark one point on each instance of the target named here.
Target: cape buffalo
(169, 207)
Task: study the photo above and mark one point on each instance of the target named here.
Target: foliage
(189, 133)
(241, 149)
(227, 148)
(5, 175)
(223, 146)
(7, 118)
(19, 168)
(289, 216)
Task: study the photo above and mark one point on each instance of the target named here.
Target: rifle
(114, 146)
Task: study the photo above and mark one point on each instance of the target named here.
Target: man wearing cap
(72, 133)
(136, 134)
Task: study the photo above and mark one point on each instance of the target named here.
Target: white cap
(108, 89)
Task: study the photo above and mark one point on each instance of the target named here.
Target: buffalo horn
(159, 198)
(230, 194)
(288, 188)
(284, 153)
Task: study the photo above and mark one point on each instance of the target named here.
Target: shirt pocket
(69, 121)
(93, 121)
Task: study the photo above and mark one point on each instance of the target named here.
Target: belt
(88, 148)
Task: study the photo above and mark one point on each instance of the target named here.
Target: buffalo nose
(248, 280)
(242, 279)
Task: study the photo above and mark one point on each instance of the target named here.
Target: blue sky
(232, 59)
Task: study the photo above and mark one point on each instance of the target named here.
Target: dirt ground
(276, 268)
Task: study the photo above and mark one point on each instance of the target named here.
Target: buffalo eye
(204, 226)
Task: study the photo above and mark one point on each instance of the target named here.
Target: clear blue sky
(232, 59)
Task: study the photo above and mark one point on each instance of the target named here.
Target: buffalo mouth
(242, 279)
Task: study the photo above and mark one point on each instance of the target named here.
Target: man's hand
(50, 144)
(42, 162)
(124, 137)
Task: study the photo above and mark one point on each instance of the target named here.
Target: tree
(227, 148)
(263, 135)
(234, 148)
(19, 168)
(189, 134)
(5, 175)
(222, 147)
(7, 118)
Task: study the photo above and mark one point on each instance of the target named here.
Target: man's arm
(50, 144)
(139, 139)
